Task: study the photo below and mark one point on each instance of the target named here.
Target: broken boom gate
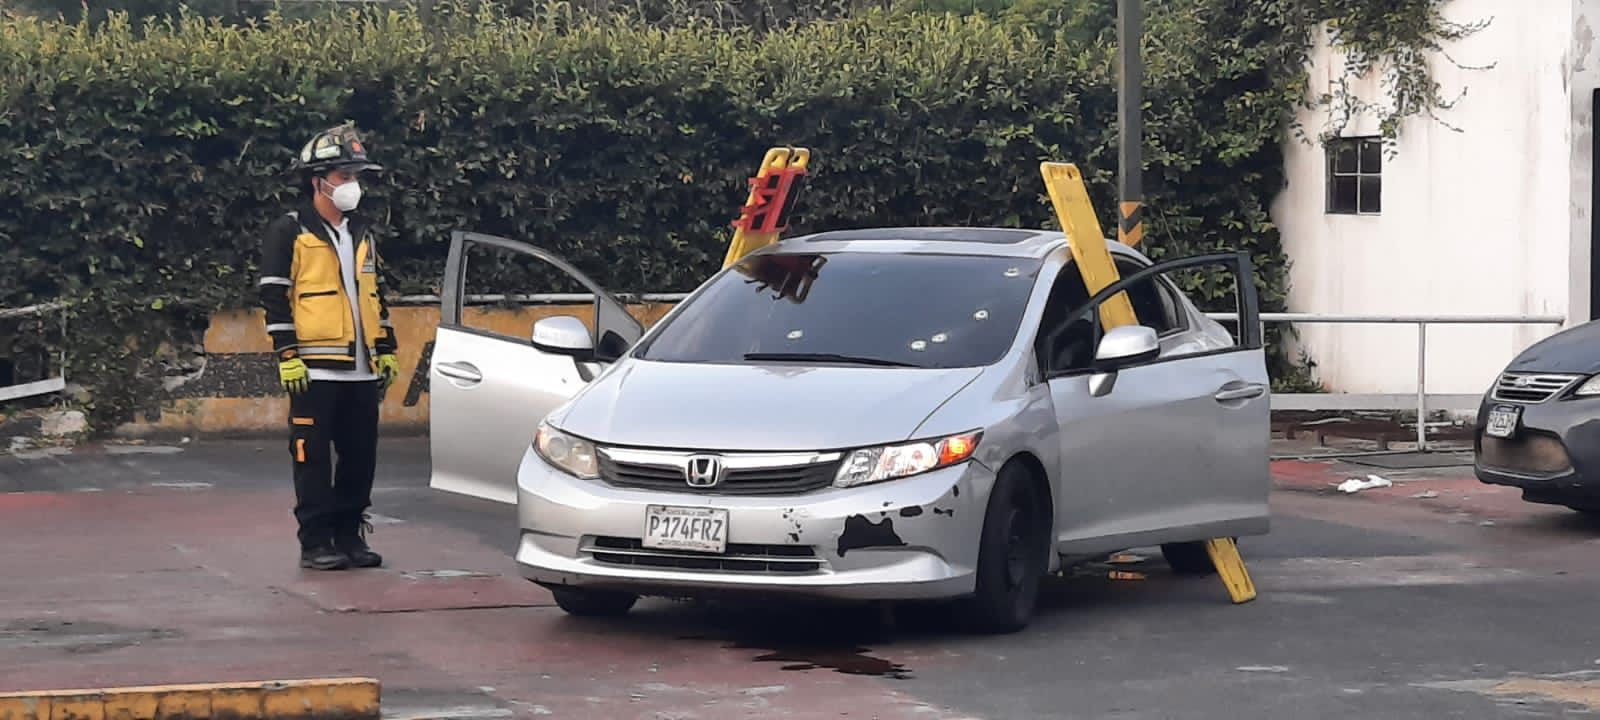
(1075, 212)
(773, 190)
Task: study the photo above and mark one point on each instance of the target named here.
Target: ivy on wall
(1399, 40)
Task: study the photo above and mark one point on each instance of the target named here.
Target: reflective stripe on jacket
(302, 291)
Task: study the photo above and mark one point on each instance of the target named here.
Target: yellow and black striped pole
(1130, 99)
(1130, 227)
(1224, 551)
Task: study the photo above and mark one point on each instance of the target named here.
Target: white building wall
(1583, 68)
(1479, 221)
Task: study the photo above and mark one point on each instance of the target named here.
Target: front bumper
(1553, 456)
(914, 538)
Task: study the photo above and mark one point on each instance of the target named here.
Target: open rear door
(489, 386)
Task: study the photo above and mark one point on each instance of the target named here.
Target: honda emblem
(703, 471)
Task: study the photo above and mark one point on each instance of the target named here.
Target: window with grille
(1355, 176)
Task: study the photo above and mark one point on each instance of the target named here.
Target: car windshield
(873, 309)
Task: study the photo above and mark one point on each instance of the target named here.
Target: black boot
(317, 552)
(324, 557)
(352, 541)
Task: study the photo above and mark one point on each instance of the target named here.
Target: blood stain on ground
(847, 660)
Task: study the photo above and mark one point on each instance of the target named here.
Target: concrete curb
(323, 698)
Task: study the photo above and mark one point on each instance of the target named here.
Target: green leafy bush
(142, 165)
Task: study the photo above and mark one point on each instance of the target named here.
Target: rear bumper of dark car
(1554, 456)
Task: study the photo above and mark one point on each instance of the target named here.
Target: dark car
(1538, 428)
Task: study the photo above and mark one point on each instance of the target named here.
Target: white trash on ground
(1357, 484)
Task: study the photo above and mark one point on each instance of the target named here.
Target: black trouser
(333, 416)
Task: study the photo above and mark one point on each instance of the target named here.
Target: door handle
(463, 371)
(1241, 392)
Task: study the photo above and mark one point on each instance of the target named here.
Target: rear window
(930, 311)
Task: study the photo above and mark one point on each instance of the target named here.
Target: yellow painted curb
(352, 698)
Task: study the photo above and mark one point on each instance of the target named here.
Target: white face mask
(347, 196)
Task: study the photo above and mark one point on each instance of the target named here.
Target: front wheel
(593, 603)
(1012, 554)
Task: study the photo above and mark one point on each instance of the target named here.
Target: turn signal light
(870, 465)
(956, 448)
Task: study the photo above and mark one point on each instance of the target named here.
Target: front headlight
(574, 455)
(890, 462)
(1588, 388)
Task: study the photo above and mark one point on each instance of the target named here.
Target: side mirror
(563, 335)
(1123, 346)
(1127, 345)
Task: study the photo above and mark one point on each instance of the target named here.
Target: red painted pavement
(1454, 489)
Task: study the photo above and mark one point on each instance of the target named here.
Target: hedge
(141, 164)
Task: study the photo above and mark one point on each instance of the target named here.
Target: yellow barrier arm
(1075, 211)
(1224, 554)
(772, 192)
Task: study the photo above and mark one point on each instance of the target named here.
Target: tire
(1188, 558)
(1012, 555)
(593, 603)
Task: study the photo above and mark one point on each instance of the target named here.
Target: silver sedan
(903, 413)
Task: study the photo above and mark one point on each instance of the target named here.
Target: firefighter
(334, 346)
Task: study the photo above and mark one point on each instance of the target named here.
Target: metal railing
(47, 385)
(1304, 401)
(1421, 322)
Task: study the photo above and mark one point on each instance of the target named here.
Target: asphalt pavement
(1435, 598)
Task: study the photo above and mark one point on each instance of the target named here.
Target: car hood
(757, 407)
(1574, 350)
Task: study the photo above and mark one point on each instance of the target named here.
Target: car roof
(987, 241)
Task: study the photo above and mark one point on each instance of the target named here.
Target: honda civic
(877, 414)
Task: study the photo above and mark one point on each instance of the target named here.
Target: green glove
(388, 368)
(294, 377)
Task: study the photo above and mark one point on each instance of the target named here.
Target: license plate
(1503, 421)
(685, 528)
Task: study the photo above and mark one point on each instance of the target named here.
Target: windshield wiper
(827, 357)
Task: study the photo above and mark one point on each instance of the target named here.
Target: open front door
(489, 386)
(1172, 439)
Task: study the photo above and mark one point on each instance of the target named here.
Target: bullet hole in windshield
(796, 334)
(939, 338)
(919, 345)
(1013, 272)
(981, 315)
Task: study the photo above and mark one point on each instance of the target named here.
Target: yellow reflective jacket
(302, 291)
